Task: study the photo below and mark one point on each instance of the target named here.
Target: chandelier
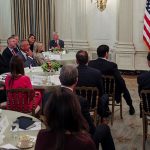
(101, 4)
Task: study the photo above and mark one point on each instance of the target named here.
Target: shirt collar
(11, 49)
(24, 54)
(67, 87)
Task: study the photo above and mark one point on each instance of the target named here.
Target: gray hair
(68, 75)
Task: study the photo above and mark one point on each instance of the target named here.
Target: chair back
(21, 100)
(89, 93)
(109, 85)
(145, 102)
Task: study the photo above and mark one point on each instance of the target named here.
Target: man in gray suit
(26, 54)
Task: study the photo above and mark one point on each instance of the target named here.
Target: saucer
(20, 145)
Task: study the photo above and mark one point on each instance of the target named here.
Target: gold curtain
(44, 20)
(33, 16)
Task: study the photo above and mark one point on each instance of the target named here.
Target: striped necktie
(13, 52)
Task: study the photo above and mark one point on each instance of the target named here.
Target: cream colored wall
(141, 49)
(82, 25)
(5, 21)
(101, 26)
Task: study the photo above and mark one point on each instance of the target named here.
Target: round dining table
(39, 79)
(9, 134)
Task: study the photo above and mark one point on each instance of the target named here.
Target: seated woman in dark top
(67, 129)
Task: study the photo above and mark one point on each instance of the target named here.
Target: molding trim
(125, 56)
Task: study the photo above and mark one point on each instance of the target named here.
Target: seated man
(143, 80)
(101, 134)
(26, 54)
(91, 77)
(56, 42)
(111, 68)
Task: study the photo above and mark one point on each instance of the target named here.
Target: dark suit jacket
(3, 66)
(143, 81)
(88, 76)
(7, 55)
(54, 44)
(110, 68)
(29, 61)
(84, 108)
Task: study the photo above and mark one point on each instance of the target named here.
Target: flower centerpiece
(57, 50)
(51, 65)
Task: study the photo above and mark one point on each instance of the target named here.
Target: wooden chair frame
(109, 88)
(15, 99)
(93, 110)
(145, 105)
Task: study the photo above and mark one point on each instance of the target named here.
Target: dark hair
(63, 113)
(102, 50)
(148, 56)
(68, 75)
(16, 68)
(82, 57)
(9, 39)
(31, 35)
(14, 35)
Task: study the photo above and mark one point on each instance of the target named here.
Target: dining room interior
(39, 38)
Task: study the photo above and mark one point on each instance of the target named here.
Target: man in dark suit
(111, 68)
(91, 77)
(16, 37)
(100, 134)
(3, 67)
(143, 80)
(26, 54)
(9, 51)
(56, 42)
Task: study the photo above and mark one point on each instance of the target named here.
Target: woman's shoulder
(83, 140)
(24, 77)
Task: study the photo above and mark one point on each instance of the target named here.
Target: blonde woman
(38, 53)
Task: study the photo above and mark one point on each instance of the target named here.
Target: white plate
(20, 145)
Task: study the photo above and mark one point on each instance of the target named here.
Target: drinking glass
(15, 129)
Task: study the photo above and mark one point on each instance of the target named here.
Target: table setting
(18, 130)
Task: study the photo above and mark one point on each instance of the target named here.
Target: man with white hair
(56, 42)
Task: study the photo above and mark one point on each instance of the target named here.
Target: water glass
(15, 129)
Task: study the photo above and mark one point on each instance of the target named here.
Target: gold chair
(19, 100)
(92, 95)
(109, 88)
(145, 105)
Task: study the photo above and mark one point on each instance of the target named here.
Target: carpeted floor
(127, 132)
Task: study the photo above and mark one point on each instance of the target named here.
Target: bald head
(24, 45)
(82, 57)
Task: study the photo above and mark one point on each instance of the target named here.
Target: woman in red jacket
(17, 79)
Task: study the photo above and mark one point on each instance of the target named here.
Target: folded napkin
(25, 122)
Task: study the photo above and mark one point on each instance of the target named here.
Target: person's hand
(29, 53)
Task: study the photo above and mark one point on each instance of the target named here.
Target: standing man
(9, 51)
(56, 42)
(16, 37)
(111, 68)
